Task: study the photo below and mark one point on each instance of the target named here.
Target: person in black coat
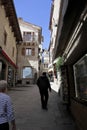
(44, 85)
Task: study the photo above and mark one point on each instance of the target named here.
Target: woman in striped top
(6, 109)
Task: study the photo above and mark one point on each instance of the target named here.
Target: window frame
(28, 52)
(24, 77)
(79, 75)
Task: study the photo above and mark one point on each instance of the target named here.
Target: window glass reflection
(27, 72)
(80, 74)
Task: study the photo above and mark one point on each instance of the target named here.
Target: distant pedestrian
(6, 109)
(44, 84)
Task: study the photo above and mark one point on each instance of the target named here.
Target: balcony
(28, 38)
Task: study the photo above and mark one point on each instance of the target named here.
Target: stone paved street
(30, 116)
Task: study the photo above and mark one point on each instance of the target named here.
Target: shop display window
(10, 76)
(80, 75)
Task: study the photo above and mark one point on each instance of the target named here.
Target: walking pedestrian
(44, 85)
(6, 108)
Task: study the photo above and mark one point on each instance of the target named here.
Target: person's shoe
(42, 107)
(45, 108)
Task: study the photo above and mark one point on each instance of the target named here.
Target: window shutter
(33, 36)
(33, 51)
(23, 51)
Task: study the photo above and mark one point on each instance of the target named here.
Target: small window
(13, 52)
(27, 72)
(5, 37)
(28, 51)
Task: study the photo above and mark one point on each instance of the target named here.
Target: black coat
(43, 83)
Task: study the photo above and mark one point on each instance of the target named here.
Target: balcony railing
(27, 38)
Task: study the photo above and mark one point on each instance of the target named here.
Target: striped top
(6, 109)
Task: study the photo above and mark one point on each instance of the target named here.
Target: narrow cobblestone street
(30, 116)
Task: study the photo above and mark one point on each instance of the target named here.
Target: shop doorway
(2, 70)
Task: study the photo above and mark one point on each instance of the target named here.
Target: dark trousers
(44, 98)
(4, 126)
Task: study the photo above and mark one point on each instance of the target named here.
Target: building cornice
(12, 17)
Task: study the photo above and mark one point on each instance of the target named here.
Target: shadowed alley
(30, 116)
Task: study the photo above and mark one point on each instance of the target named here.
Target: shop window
(80, 74)
(2, 70)
(27, 72)
(45, 65)
(26, 36)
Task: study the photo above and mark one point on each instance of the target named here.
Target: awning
(8, 58)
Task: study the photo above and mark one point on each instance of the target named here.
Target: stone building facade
(29, 53)
(9, 36)
(72, 47)
(55, 25)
